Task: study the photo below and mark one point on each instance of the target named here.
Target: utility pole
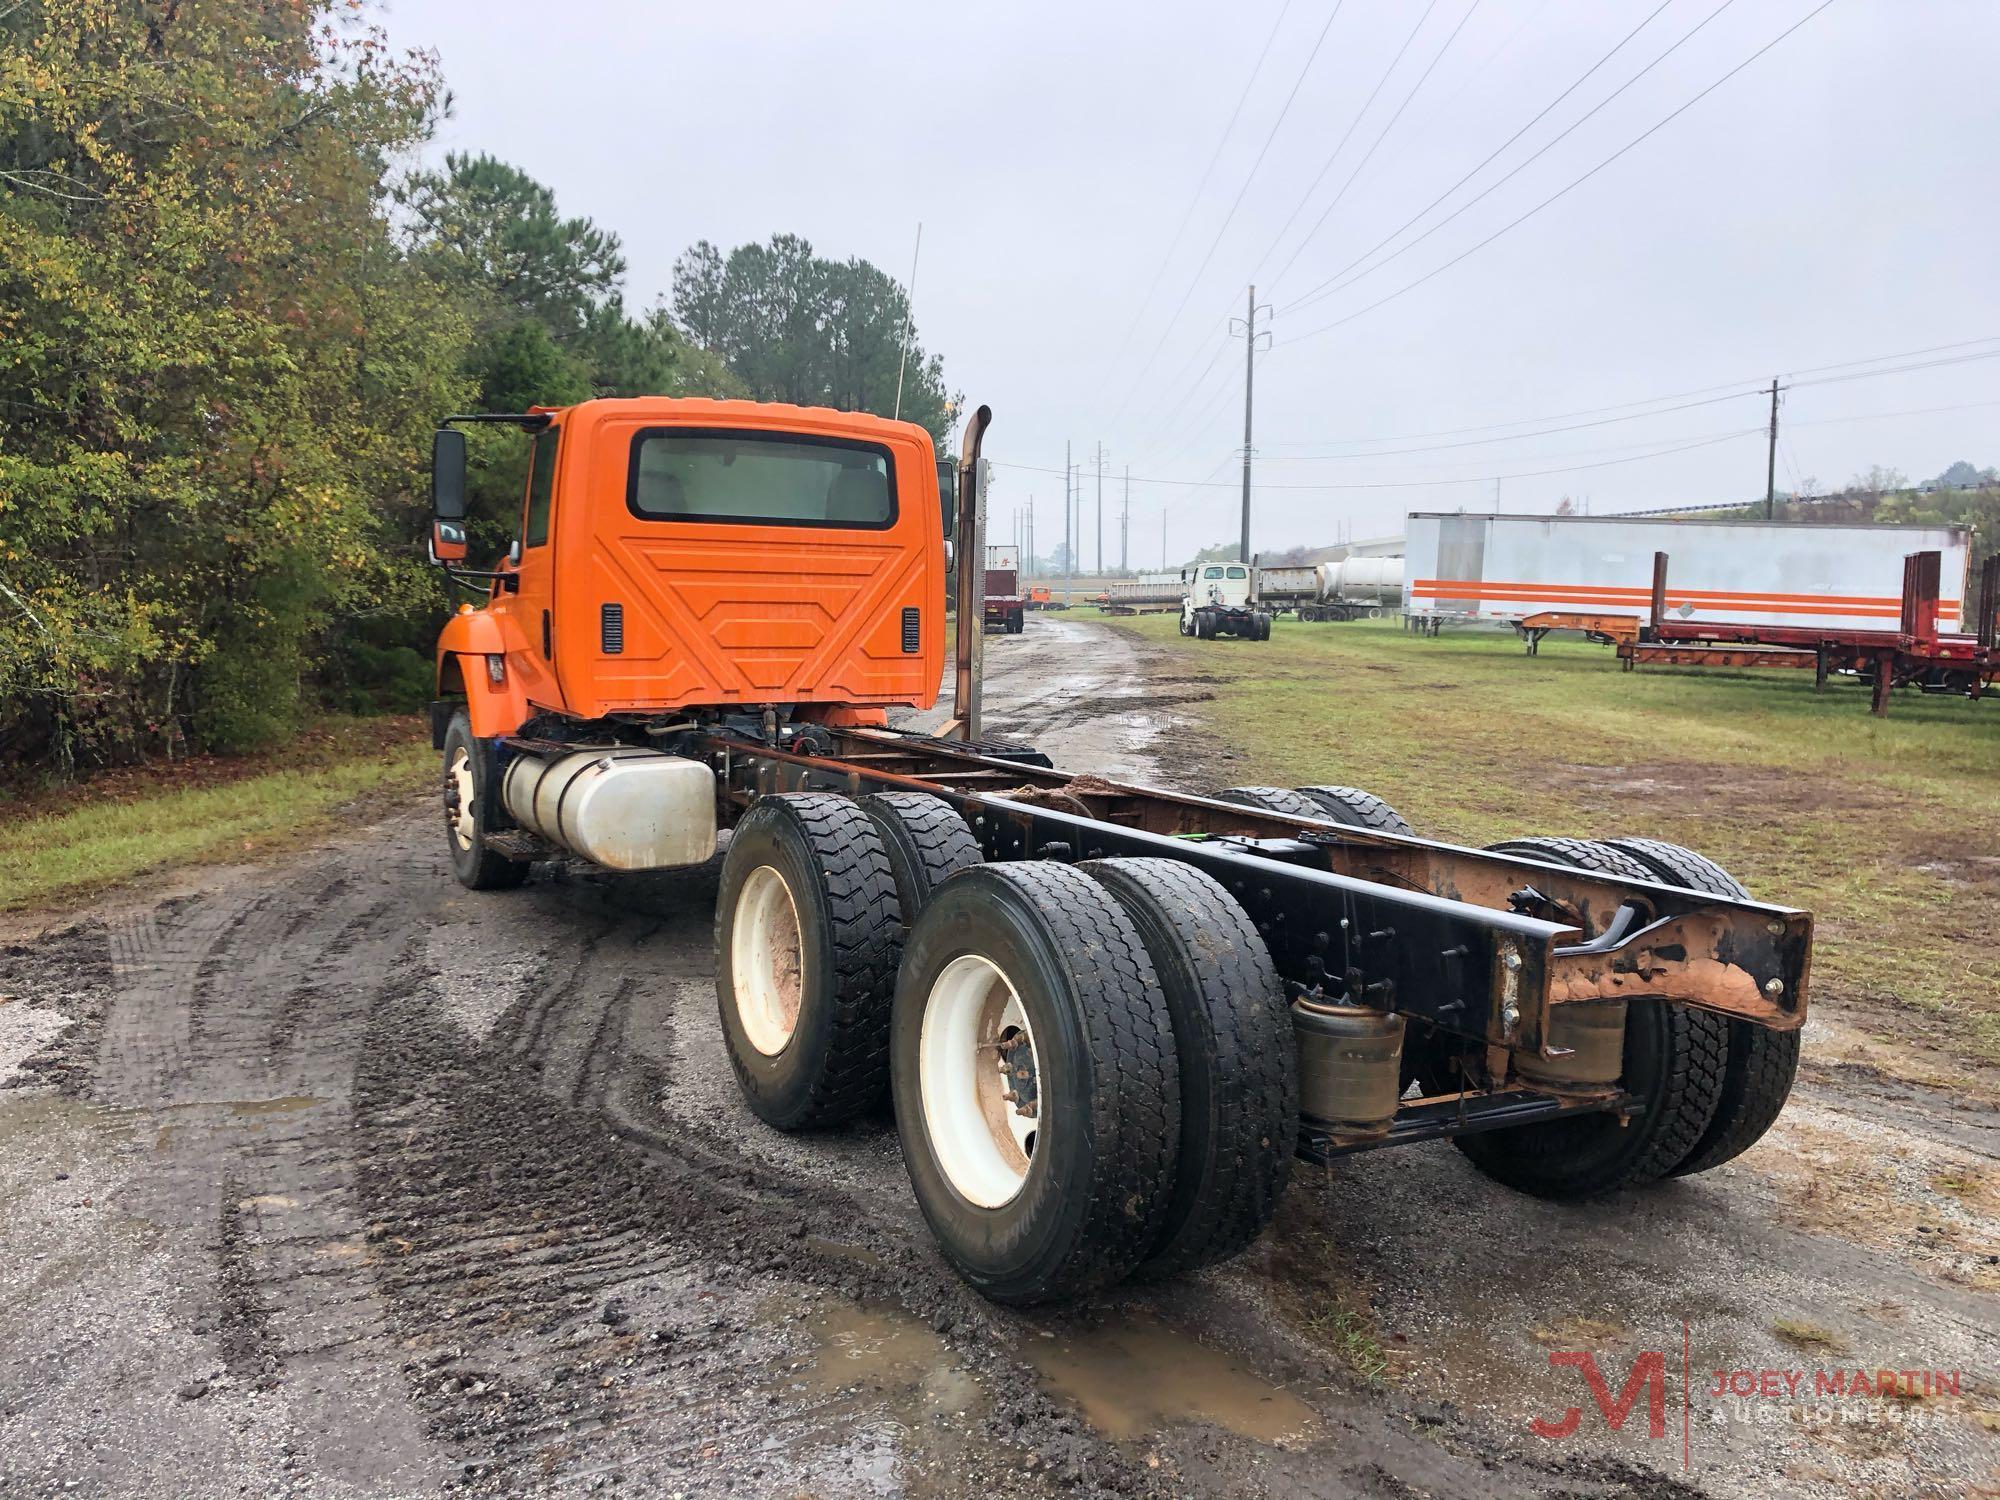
(1069, 552)
(1125, 526)
(1771, 463)
(1029, 565)
(1163, 539)
(1100, 507)
(1250, 336)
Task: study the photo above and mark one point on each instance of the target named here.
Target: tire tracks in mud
(587, 1279)
(481, 1208)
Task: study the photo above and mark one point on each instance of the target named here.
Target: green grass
(238, 809)
(1882, 827)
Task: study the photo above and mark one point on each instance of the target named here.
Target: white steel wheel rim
(975, 1050)
(463, 827)
(767, 961)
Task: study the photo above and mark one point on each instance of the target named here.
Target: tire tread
(1762, 1062)
(1356, 808)
(1241, 1036)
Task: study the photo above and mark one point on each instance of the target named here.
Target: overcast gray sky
(1832, 202)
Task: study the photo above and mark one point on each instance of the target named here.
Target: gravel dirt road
(327, 1177)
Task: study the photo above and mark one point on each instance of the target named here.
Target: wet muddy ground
(327, 1177)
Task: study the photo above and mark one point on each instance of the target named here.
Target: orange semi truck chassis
(1109, 1017)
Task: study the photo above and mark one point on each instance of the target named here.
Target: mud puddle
(877, 1354)
(1132, 1377)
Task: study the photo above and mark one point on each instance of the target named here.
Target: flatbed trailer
(1916, 653)
(1605, 629)
(1109, 1016)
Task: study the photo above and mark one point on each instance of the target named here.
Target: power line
(1592, 411)
(1410, 484)
(1201, 186)
(1929, 364)
(1571, 186)
(1582, 78)
(1991, 338)
(1347, 134)
(1879, 416)
(1626, 447)
(1230, 216)
(1508, 437)
(1327, 212)
(1187, 391)
(1328, 287)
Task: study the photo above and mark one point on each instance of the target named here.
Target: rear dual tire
(1142, 1116)
(998, 961)
(1677, 1062)
(808, 933)
(1762, 1063)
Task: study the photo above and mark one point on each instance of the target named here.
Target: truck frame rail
(1479, 945)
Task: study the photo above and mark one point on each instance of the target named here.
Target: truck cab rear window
(750, 478)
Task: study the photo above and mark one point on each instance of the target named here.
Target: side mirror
(448, 474)
(447, 541)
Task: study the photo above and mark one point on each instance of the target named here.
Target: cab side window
(541, 489)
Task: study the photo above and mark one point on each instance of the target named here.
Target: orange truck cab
(693, 555)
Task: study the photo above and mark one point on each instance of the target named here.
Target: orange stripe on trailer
(1709, 599)
(1496, 586)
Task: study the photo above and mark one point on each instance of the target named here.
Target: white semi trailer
(1467, 568)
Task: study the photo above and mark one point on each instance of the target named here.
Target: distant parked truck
(1354, 588)
(1221, 599)
(1006, 605)
(1467, 568)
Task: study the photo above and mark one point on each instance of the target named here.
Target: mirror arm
(530, 421)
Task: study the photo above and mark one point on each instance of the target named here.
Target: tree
(493, 231)
(221, 372)
(545, 294)
(1878, 481)
(792, 326)
(1963, 476)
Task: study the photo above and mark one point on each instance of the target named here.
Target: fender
(470, 639)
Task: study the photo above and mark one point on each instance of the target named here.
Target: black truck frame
(1477, 946)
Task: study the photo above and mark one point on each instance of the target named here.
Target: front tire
(808, 931)
(469, 814)
(1036, 1085)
